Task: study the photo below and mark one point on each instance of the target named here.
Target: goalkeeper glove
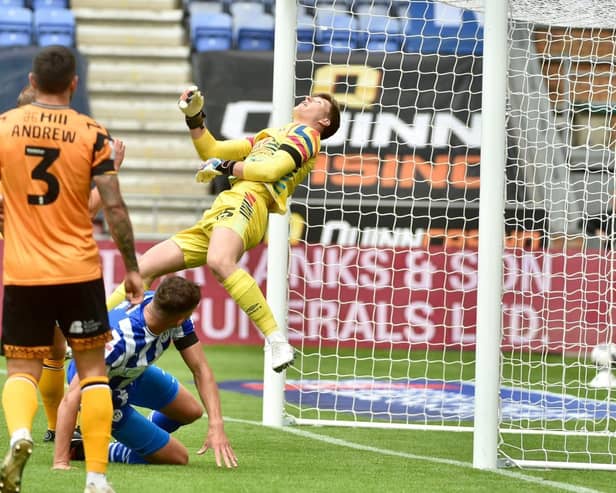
(192, 107)
(212, 168)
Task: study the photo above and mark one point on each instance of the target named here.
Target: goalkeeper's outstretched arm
(192, 104)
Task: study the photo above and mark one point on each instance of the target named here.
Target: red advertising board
(414, 297)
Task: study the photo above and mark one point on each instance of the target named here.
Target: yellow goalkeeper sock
(51, 387)
(244, 290)
(96, 415)
(119, 295)
(19, 402)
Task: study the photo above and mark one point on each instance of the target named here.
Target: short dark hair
(334, 114)
(176, 295)
(54, 68)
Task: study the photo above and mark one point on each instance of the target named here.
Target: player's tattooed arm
(121, 230)
(117, 218)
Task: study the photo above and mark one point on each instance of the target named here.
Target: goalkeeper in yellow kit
(264, 171)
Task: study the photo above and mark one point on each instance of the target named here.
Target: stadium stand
(224, 5)
(13, 3)
(336, 31)
(54, 27)
(139, 63)
(305, 32)
(379, 32)
(210, 31)
(194, 7)
(49, 4)
(246, 9)
(15, 26)
(441, 28)
(254, 31)
(581, 93)
(372, 8)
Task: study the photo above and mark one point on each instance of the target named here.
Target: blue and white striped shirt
(134, 347)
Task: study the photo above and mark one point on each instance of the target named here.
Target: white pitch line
(437, 460)
(405, 455)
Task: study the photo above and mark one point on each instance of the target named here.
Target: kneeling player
(141, 334)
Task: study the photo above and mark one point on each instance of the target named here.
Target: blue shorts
(153, 389)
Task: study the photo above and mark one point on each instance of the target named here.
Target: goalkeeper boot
(283, 355)
(13, 466)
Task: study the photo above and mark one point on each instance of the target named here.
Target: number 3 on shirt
(48, 155)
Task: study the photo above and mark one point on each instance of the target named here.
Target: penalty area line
(437, 460)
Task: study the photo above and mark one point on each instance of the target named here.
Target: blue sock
(118, 452)
(163, 422)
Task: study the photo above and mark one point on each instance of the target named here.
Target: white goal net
(383, 267)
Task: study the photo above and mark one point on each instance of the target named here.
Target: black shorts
(30, 314)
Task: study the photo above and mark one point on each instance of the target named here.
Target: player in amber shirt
(264, 171)
(53, 376)
(49, 154)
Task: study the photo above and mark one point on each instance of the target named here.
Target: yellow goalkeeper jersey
(268, 154)
(301, 142)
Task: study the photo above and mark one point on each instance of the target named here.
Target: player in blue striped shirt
(141, 334)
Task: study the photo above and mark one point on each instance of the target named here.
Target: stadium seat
(49, 4)
(335, 31)
(441, 28)
(254, 32)
(194, 7)
(54, 27)
(13, 3)
(15, 26)
(337, 5)
(211, 31)
(379, 32)
(305, 32)
(246, 9)
(306, 4)
(269, 6)
(377, 9)
(380, 7)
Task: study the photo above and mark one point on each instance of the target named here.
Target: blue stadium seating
(254, 32)
(211, 31)
(376, 9)
(306, 4)
(457, 31)
(50, 4)
(380, 7)
(204, 7)
(335, 31)
(269, 6)
(15, 26)
(337, 5)
(54, 27)
(13, 3)
(245, 9)
(379, 33)
(414, 26)
(305, 32)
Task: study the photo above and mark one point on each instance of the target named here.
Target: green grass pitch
(301, 458)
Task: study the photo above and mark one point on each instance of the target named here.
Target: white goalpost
(422, 293)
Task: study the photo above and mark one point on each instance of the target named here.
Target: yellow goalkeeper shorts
(243, 208)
